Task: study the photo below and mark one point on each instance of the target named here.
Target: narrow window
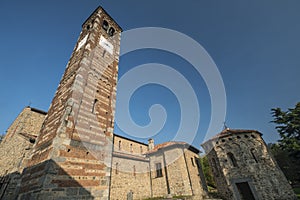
(105, 25)
(232, 159)
(119, 145)
(131, 149)
(141, 148)
(193, 162)
(117, 168)
(253, 155)
(94, 105)
(111, 31)
(158, 170)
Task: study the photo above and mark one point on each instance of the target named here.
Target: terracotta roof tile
(164, 145)
(233, 131)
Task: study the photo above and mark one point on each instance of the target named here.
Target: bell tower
(72, 155)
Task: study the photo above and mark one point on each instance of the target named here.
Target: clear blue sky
(255, 45)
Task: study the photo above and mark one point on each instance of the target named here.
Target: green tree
(207, 172)
(289, 165)
(288, 126)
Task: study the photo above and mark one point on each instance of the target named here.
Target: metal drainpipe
(187, 168)
(166, 172)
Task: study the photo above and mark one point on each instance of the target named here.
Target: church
(71, 151)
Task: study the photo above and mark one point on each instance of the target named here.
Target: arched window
(94, 105)
(253, 155)
(232, 159)
(111, 31)
(105, 25)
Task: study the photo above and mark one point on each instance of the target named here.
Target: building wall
(78, 131)
(130, 175)
(177, 172)
(129, 146)
(159, 184)
(198, 184)
(16, 148)
(16, 145)
(244, 157)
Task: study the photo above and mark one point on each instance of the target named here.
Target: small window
(141, 148)
(111, 31)
(32, 140)
(105, 25)
(94, 105)
(253, 155)
(193, 162)
(117, 168)
(232, 159)
(158, 169)
(119, 145)
(131, 148)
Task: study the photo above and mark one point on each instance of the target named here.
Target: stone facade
(16, 147)
(19, 139)
(168, 169)
(243, 167)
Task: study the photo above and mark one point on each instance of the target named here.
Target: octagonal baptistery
(243, 168)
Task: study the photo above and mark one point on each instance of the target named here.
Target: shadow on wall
(45, 181)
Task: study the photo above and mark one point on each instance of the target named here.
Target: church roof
(172, 144)
(227, 132)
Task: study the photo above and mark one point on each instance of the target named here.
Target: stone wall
(181, 171)
(16, 148)
(240, 160)
(125, 145)
(130, 174)
(19, 139)
(198, 184)
(178, 174)
(159, 183)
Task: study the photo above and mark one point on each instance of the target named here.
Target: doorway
(245, 191)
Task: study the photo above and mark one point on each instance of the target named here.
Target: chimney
(150, 144)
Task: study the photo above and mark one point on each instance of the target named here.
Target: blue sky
(255, 45)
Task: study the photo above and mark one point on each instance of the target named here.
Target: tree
(289, 165)
(207, 172)
(288, 126)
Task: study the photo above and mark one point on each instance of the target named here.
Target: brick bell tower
(72, 155)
